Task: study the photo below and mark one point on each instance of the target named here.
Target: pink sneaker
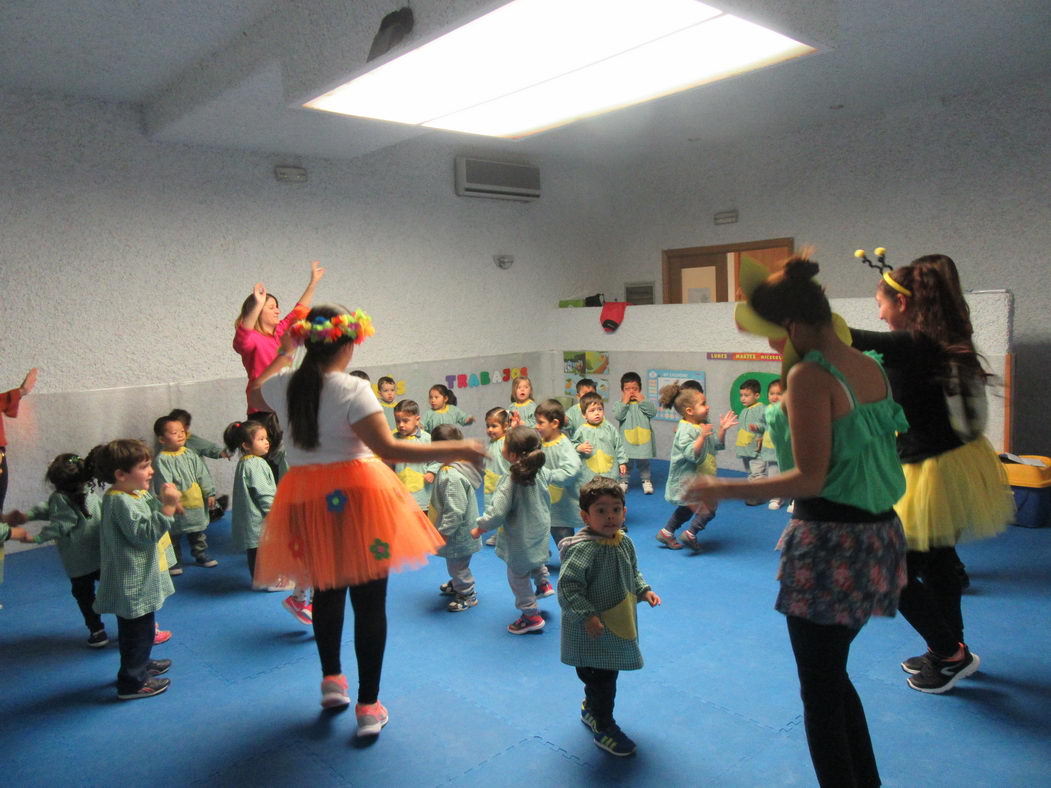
(161, 635)
(545, 589)
(334, 692)
(525, 624)
(371, 718)
(667, 538)
(302, 610)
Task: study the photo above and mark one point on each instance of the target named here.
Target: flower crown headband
(883, 267)
(357, 326)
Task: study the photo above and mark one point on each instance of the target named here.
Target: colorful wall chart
(656, 379)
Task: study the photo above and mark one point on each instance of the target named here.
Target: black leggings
(836, 730)
(600, 689)
(83, 590)
(370, 632)
(931, 599)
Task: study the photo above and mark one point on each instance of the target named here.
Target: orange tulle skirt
(342, 524)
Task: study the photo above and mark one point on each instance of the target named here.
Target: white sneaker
(491, 541)
(647, 487)
(775, 504)
(792, 507)
(624, 487)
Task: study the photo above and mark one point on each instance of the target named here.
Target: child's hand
(625, 397)
(727, 420)
(753, 427)
(21, 534)
(585, 448)
(515, 418)
(224, 454)
(428, 478)
(623, 470)
(470, 420)
(316, 272)
(211, 501)
(594, 626)
(652, 598)
(170, 495)
(476, 532)
(706, 430)
(15, 517)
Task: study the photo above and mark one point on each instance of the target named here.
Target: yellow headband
(900, 288)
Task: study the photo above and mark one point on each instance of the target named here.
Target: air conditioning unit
(497, 180)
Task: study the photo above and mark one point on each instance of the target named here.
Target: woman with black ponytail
(341, 520)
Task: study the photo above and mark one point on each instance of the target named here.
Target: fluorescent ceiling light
(532, 65)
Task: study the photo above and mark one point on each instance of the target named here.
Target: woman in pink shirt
(258, 330)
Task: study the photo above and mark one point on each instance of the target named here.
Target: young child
(185, 469)
(598, 441)
(74, 514)
(205, 448)
(135, 552)
(767, 452)
(599, 586)
(454, 511)
(523, 408)
(275, 458)
(750, 435)
(574, 418)
(692, 452)
(443, 409)
(521, 507)
(563, 465)
(387, 388)
(497, 422)
(633, 413)
(416, 476)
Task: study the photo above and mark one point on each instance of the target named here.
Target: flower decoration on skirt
(380, 550)
(336, 501)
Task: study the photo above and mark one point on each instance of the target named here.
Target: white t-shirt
(345, 400)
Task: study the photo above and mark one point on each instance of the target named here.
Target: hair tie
(900, 288)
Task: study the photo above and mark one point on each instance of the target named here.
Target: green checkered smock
(185, 469)
(564, 464)
(254, 489)
(524, 512)
(454, 509)
(76, 536)
(607, 451)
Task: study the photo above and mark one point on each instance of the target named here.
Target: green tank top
(863, 469)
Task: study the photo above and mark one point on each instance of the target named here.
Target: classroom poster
(593, 364)
(656, 379)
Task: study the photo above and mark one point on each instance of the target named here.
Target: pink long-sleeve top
(258, 350)
(9, 407)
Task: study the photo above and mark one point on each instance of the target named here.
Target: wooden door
(710, 273)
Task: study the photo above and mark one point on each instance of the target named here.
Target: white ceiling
(224, 72)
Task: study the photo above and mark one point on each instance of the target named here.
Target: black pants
(836, 730)
(370, 632)
(198, 544)
(684, 513)
(83, 590)
(135, 638)
(931, 599)
(600, 689)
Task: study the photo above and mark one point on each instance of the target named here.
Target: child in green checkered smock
(497, 422)
(522, 404)
(767, 451)
(416, 476)
(574, 416)
(563, 465)
(454, 512)
(387, 388)
(443, 409)
(633, 413)
(599, 586)
(598, 442)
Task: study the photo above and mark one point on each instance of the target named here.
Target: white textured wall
(966, 176)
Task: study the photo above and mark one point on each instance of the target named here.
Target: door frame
(671, 263)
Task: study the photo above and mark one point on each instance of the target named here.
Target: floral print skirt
(841, 573)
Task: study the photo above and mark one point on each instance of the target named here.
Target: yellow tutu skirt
(957, 496)
(342, 524)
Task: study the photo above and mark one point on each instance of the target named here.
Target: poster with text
(656, 379)
(591, 364)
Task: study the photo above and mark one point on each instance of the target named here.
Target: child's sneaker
(287, 585)
(587, 717)
(614, 741)
(623, 487)
(491, 541)
(940, 675)
(914, 665)
(175, 570)
(446, 589)
(774, 505)
(791, 508)
(98, 639)
(371, 718)
(205, 560)
(545, 590)
(525, 624)
(462, 603)
(647, 487)
(689, 538)
(334, 692)
(157, 667)
(151, 688)
(301, 609)
(161, 635)
(667, 538)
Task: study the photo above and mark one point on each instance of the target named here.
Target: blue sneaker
(614, 741)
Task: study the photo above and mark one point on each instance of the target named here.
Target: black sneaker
(446, 589)
(462, 603)
(151, 688)
(914, 665)
(614, 741)
(205, 560)
(158, 666)
(587, 717)
(98, 639)
(940, 675)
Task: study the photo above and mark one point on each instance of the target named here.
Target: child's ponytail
(669, 394)
(71, 475)
(445, 391)
(238, 433)
(525, 444)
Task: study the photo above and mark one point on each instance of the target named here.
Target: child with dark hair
(750, 435)
(521, 508)
(692, 384)
(497, 423)
(416, 476)
(360, 373)
(205, 448)
(599, 587)
(767, 452)
(523, 407)
(454, 511)
(275, 458)
(73, 513)
(563, 463)
(443, 409)
(387, 388)
(633, 413)
(599, 442)
(574, 416)
(134, 554)
(185, 469)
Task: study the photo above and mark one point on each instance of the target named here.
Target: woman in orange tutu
(341, 519)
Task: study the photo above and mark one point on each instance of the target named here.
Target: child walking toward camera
(454, 511)
(574, 416)
(497, 422)
(750, 435)
(598, 441)
(767, 451)
(599, 587)
(134, 554)
(416, 476)
(443, 409)
(523, 408)
(633, 413)
(692, 452)
(563, 465)
(175, 464)
(521, 508)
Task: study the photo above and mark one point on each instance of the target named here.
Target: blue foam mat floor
(717, 703)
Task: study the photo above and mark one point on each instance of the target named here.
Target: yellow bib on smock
(639, 436)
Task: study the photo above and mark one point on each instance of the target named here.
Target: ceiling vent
(497, 180)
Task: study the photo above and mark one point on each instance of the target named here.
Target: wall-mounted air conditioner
(497, 180)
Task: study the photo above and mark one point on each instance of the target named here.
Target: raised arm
(373, 431)
(316, 272)
(259, 293)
